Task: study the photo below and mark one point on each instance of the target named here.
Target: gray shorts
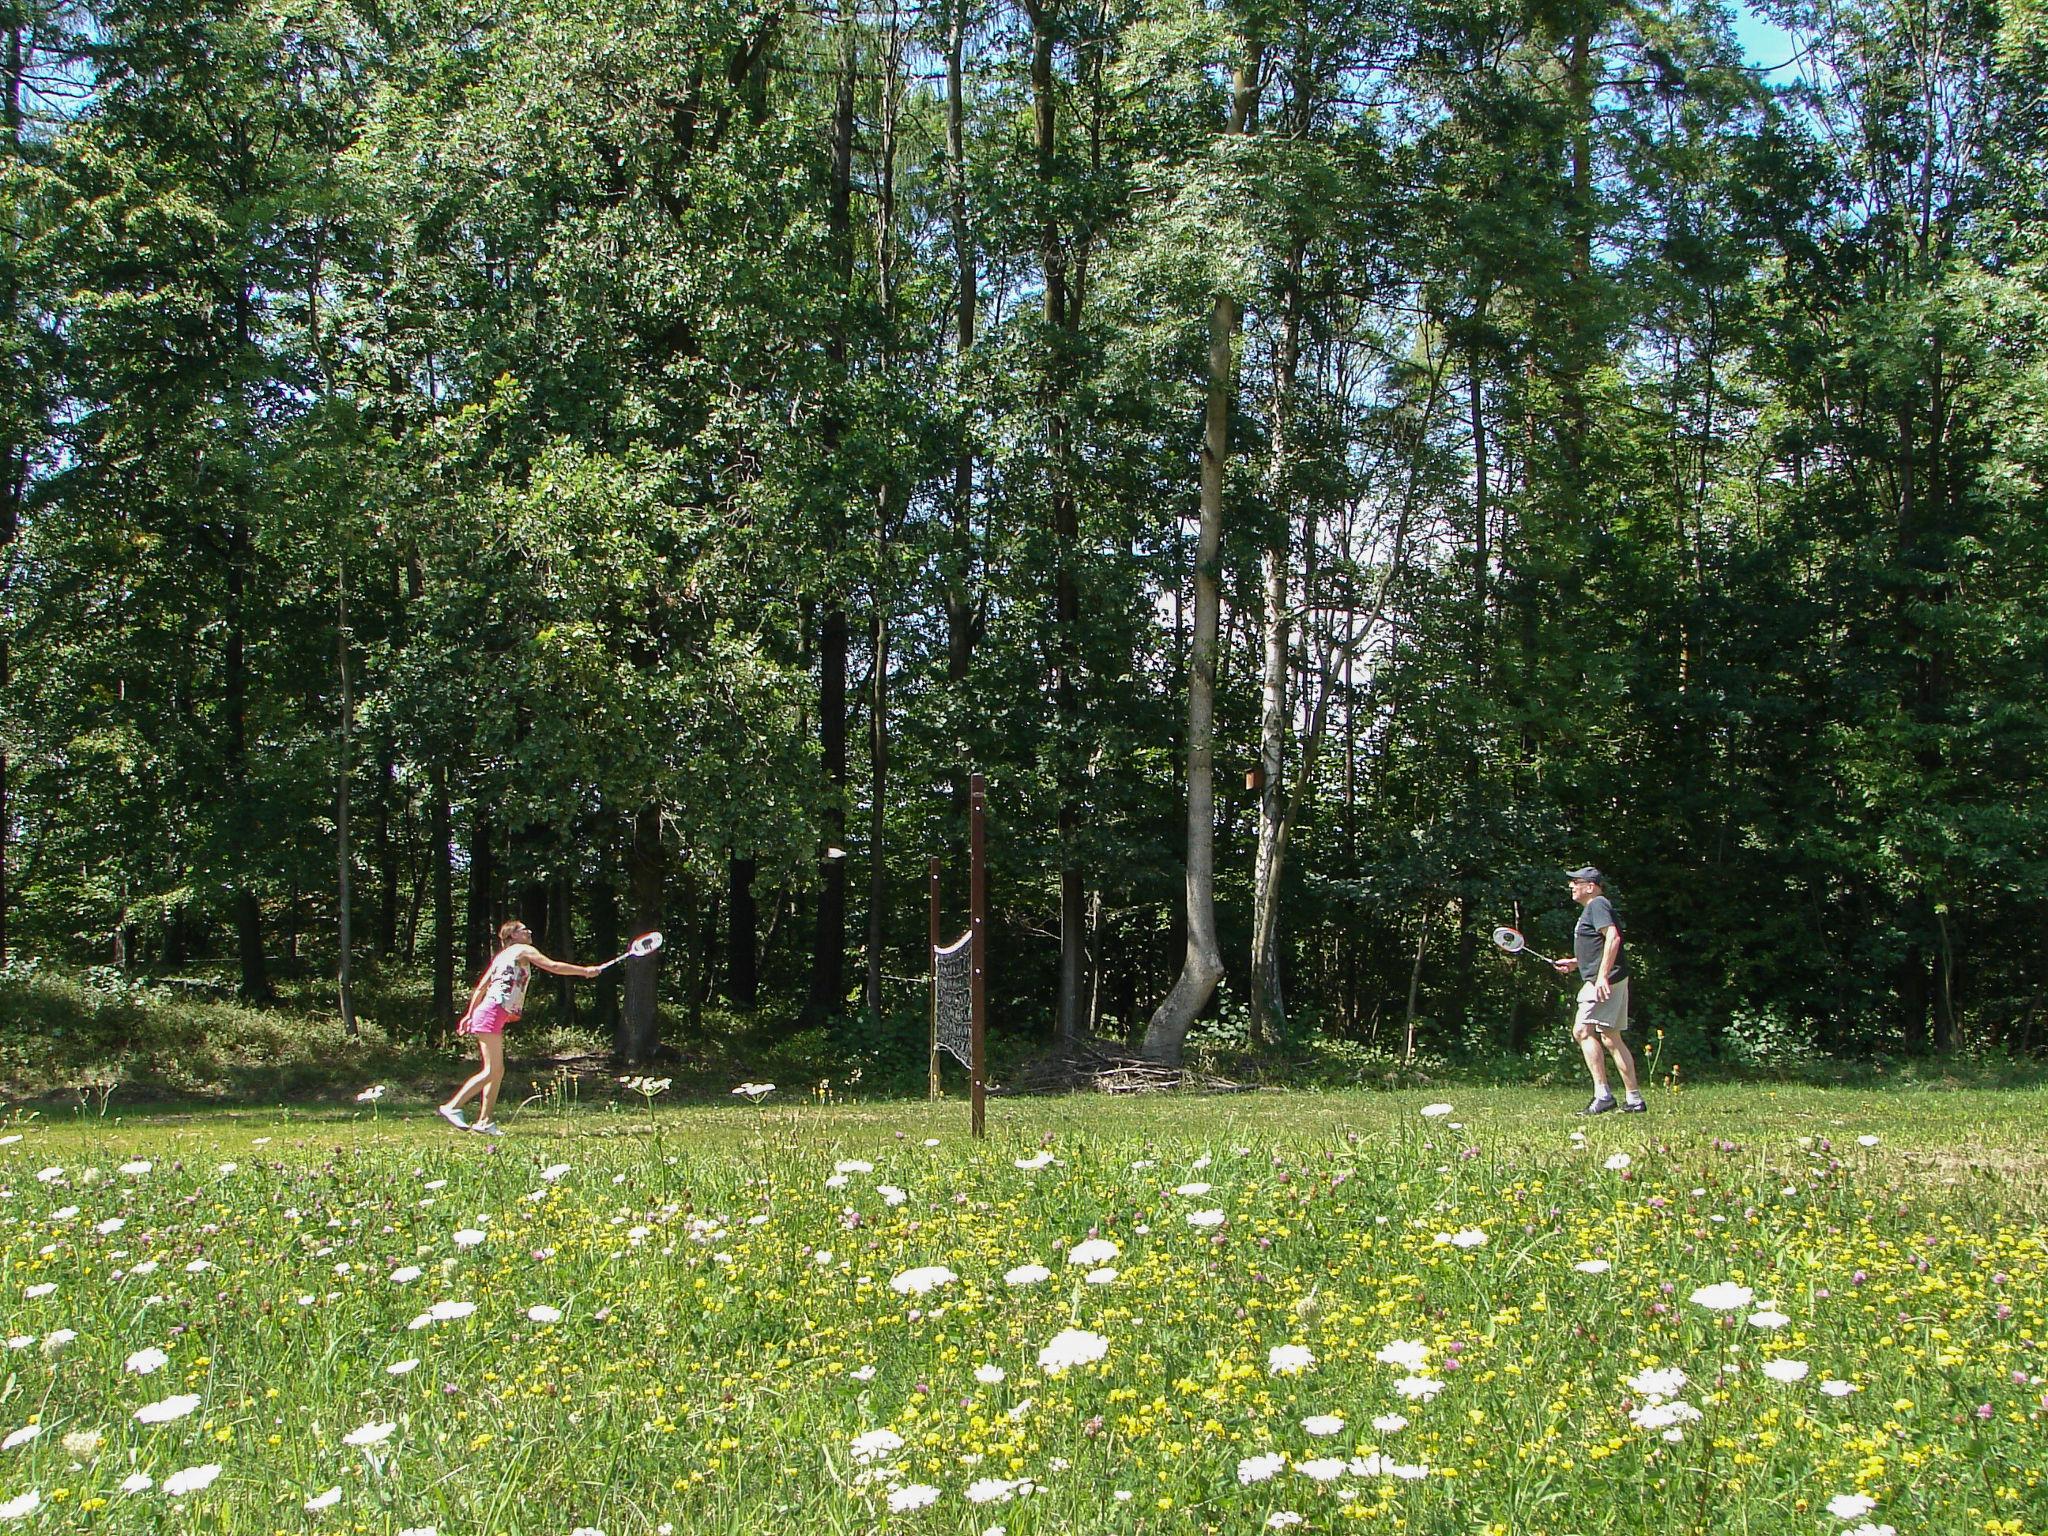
(1610, 1016)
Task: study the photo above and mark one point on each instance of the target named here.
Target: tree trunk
(604, 927)
(248, 909)
(742, 941)
(1166, 1034)
(878, 760)
(639, 1032)
(344, 855)
(959, 602)
(388, 900)
(443, 864)
(482, 941)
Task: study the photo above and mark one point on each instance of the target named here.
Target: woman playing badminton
(499, 998)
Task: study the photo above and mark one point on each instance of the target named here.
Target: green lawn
(700, 1320)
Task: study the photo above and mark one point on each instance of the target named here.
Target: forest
(1329, 464)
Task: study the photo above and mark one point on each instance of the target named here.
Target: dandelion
(1097, 1250)
(1726, 1296)
(1851, 1506)
(1289, 1359)
(916, 1282)
(1071, 1347)
(876, 1445)
(167, 1409)
(1786, 1371)
(915, 1496)
(1324, 1424)
(1027, 1274)
(191, 1480)
(1406, 1353)
(321, 1501)
(145, 1361)
(1259, 1469)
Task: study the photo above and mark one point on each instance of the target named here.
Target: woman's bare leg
(493, 1074)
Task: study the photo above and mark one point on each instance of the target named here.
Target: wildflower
(1871, 1530)
(1194, 1190)
(1406, 1353)
(1034, 1161)
(754, 1093)
(419, 1530)
(1833, 1388)
(137, 1482)
(401, 1367)
(82, 1444)
(1103, 1276)
(1592, 1266)
(1851, 1506)
(137, 1166)
(1655, 1416)
(1470, 1237)
(51, 1175)
(405, 1274)
(1027, 1274)
(37, 1292)
(996, 1490)
(916, 1282)
(1418, 1389)
(1259, 1469)
(1072, 1347)
(110, 1226)
(1389, 1423)
(875, 1445)
(989, 1375)
(191, 1480)
(371, 1094)
(321, 1501)
(20, 1437)
(853, 1165)
(450, 1311)
(169, 1408)
(865, 1373)
(369, 1434)
(915, 1496)
(1724, 1297)
(21, 1507)
(1618, 1162)
(1787, 1371)
(468, 1237)
(1324, 1424)
(1665, 1383)
(1282, 1519)
(542, 1313)
(1866, 1141)
(144, 1361)
(1435, 1111)
(1205, 1218)
(553, 1172)
(1097, 1250)
(891, 1195)
(1289, 1359)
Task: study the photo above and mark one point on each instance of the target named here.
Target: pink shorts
(490, 1019)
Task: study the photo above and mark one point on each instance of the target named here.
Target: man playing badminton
(499, 998)
(1603, 993)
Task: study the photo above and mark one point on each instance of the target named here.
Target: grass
(731, 1355)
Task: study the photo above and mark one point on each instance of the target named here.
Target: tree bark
(1166, 1034)
(960, 557)
(742, 946)
(344, 855)
(482, 941)
(443, 863)
(248, 909)
(639, 1032)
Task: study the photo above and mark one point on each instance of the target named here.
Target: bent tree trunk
(1166, 1035)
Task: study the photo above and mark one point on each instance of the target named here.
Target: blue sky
(1766, 45)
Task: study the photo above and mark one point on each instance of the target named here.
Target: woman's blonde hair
(506, 929)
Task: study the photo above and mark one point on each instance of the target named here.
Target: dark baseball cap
(1588, 873)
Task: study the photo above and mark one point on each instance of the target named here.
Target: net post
(932, 954)
(977, 1074)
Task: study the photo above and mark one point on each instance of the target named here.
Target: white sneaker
(487, 1128)
(452, 1116)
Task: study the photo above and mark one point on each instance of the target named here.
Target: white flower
(1665, 1383)
(1071, 1347)
(989, 1375)
(35, 1292)
(542, 1313)
(369, 1434)
(1619, 1161)
(1418, 1389)
(890, 1194)
(1323, 1469)
(915, 1282)
(754, 1092)
(916, 1496)
(1194, 1190)
(1324, 1424)
(1406, 1353)
(1282, 1519)
(1654, 1416)
(137, 1482)
(1097, 1250)
(49, 1175)
(321, 1501)
(1727, 1296)
(1470, 1237)
(21, 1507)
(169, 1408)
(1592, 1266)
(586, 1530)
(1829, 1388)
(1768, 1319)
(1259, 1469)
(371, 1094)
(191, 1480)
(1027, 1274)
(1035, 1160)
(138, 1166)
(401, 1367)
(419, 1530)
(1786, 1371)
(405, 1274)
(468, 1237)
(853, 1165)
(1866, 1141)
(450, 1311)
(144, 1361)
(553, 1172)
(1871, 1530)
(864, 1373)
(1103, 1276)
(996, 1490)
(1435, 1111)
(1851, 1506)
(1201, 1162)
(201, 1266)
(64, 1213)
(1289, 1359)
(875, 1445)
(146, 1267)
(822, 1258)
(111, 1225)
(837, 1181)
(1205, 1218)
(21, 1437)
(21, 1341)
(1389, 1423)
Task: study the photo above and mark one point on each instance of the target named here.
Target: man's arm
(1602, 987)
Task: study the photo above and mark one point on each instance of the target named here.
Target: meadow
(1753, 1310)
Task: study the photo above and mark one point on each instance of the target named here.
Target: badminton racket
(1510, 942)
(646, 944)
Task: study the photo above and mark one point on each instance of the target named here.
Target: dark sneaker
(1599, 1106)
(1634, 1107)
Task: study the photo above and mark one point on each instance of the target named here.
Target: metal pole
(933, 955)
(978, 1072)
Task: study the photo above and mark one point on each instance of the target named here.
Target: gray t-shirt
(1589, 940)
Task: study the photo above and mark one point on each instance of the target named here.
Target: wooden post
(932, 955)
(978, 1113)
